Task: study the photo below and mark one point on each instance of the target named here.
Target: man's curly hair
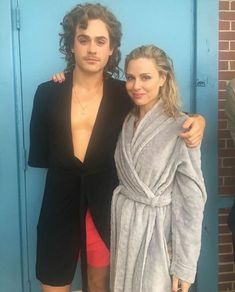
(80, 15)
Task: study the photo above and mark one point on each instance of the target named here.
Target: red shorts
(98, 254)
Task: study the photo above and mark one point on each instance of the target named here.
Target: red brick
(225, 287)
(222, 94)
(224, 25)
(220, 162)
(232, 66)
(226, 249)
(227, 35)
(233, 25)
(223, 5)
(223, 125)
(232, 45)
(225, 238)
(227, 153)
(226, 267)
(227, 190)
(222, 102)
(226, 75)
(222, 114)
(229, 181)
(224, 134)
(229, 171)
(225, 258)
(223, 219)
(223, 211)
(222, 144)
(223, 229)
(229, 162)
(221, 181)
(227, 277)
(222, 84)
(223, 65)
(227, 15)
(230, 143)
(233, 5)
(224, 45)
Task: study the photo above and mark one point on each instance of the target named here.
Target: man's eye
(83, 41)
(100, 42)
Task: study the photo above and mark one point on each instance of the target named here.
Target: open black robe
(72, 186)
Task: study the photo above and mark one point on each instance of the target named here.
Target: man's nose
(92, 47)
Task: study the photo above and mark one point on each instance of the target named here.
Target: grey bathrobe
(157, 209)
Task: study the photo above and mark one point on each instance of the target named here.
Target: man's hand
(179, 285)
(193, 130)
(58, 77)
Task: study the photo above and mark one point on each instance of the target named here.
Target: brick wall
(226, 265)
(226, 73)
(226, 147)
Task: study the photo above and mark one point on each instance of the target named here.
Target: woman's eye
(146, 77)
(129, 78)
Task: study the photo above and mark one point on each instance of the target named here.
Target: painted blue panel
(167, 25)
(206, 104)
(40, 58)
(10, 240)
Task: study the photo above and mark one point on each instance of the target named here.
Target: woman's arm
(188, 200)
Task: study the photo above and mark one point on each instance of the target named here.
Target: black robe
(72, 186)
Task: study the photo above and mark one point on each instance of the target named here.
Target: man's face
(92, 47)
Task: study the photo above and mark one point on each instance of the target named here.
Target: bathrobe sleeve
(188, 200)
(38, 151)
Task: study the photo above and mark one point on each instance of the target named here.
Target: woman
(157, 209)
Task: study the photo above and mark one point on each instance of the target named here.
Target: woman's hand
(193, 132)
(59, 77)
(179, 285)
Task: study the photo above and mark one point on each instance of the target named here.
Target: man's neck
(87, 81)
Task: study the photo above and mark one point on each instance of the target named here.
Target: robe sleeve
(38, 151)
(188, 200)
(230, 107)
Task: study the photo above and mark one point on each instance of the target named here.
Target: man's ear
(111, 51)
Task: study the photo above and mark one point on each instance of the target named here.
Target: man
(74, 128)
(230, 112)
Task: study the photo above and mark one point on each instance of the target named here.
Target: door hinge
(18, 24)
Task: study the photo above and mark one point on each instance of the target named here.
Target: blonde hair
(169, 92)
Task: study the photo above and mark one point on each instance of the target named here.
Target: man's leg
(98, 259)
(46, 288)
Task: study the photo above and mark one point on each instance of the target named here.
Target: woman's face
(143, 82)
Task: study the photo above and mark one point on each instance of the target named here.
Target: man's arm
(230, 107)
(193, 131)
(193, 127)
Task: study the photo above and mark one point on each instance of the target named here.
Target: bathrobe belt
(158, 199)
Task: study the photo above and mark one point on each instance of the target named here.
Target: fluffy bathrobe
(157, 209)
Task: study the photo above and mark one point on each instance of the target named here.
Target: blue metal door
(186, 29)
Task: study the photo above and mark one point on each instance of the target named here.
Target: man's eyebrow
(96, 37)
(82, 35)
